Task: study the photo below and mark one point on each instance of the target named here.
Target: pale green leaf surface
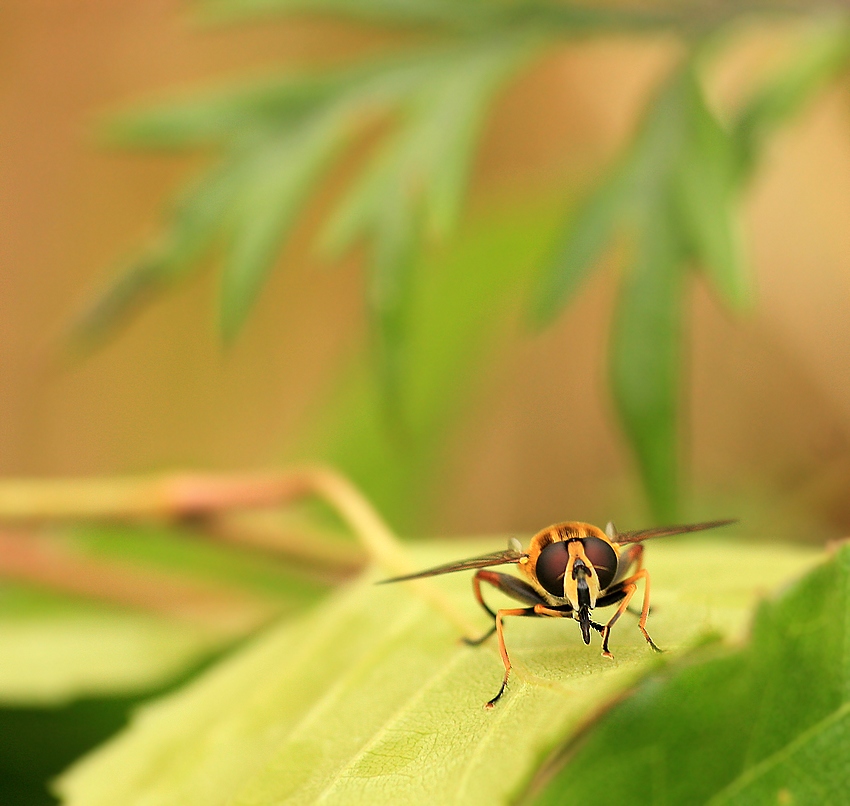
(54, 650)
(371, 698)
(57, 647)
(765, 724)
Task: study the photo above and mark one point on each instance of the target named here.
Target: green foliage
(766, 724)
(37, 743)
(822, 58)
(56, 647)
(448, 339)
(673, 195)
(371, 698)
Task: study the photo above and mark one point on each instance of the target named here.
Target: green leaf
(645, 357)
(393, 11)
(426, 160)
(240, 113)
(371, 698)
(822, 57)
(449, 341)
(250, 114)
(766, 724)
(582, 244)
(265, 210)
(414, 187)
(190, 234)
(56, 648)
(707, 187)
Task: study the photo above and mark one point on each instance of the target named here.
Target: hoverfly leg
(626, 590)
(509, 585)
(519, 611)
(481, 639)
(476, 590)
(644, 611)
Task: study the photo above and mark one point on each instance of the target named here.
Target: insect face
(571, 563)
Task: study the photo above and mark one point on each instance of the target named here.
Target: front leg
(509, 585)
(626, 589)
(518, 611)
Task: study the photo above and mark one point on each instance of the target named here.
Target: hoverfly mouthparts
(570, 569)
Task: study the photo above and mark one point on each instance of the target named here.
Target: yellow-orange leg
(507, 584)
(630, 586)
(517, 611)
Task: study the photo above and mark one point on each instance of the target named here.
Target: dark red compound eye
(551, 566)
(603, 557)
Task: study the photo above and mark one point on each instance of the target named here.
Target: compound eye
(603, 557)
(551, 567)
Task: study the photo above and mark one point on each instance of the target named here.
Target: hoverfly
(570, 569)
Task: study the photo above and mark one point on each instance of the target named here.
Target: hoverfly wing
(494, 558)
(665, 531)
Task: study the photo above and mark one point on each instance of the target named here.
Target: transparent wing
(495, 558)
(664, 531)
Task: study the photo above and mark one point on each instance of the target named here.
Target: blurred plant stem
(198, 498)
(47, 561)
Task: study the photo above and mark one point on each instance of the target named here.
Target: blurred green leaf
(241, 113)
(263, 214)
(426, 160)
(584, 240)
(398, 11)
(281, 135)
(766, 724)
(645, 359)
(486, 15)
(675, 196)
(823, 56)
(432, 101)
(371, 698)
(468, 299)
(56, 648)
(200, 558)
(193, 228)
(415, 184)
(707, 191)
(249, 115)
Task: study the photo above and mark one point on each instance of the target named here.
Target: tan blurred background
(768, 404)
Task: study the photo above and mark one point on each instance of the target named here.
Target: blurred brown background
(768, 412)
